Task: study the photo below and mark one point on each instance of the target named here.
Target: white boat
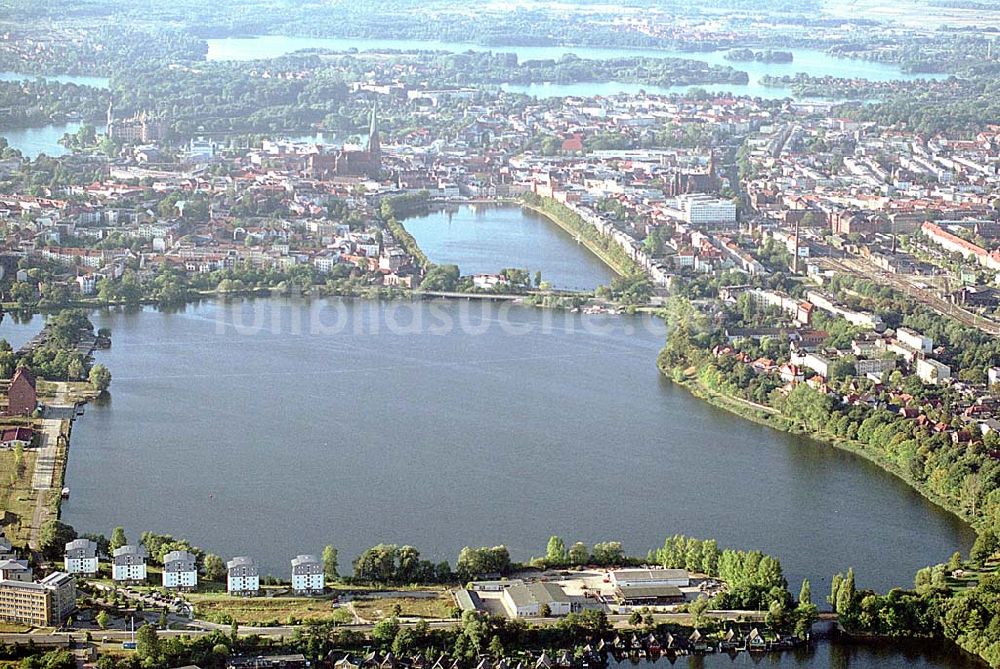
(65, 492)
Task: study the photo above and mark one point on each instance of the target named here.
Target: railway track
(927, 297)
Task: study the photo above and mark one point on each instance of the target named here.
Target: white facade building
(650, 577)
(696, 208)
(128, 564)
(915, 340)
(933, 372)
(307, 575)
(518, 602)
(81, 557)
(180, 570)
(242, 576)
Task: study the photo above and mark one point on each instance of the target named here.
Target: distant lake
(484, 239)
(78, 79)
(609, 88)
(45, 139)
(811, 61)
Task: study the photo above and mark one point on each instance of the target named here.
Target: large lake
(273, 427)
(484, 239)
(811, 61)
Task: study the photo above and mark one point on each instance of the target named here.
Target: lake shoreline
(788, 426)
(589, 245)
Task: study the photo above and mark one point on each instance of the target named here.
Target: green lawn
(17, 499)
(971, 577)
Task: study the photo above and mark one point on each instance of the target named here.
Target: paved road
(45, 464)
(199, 627)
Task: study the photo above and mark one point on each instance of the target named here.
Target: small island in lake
(766, 56)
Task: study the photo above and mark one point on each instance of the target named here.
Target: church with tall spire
(352, 162)
(374, 141)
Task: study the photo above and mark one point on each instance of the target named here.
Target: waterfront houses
(307, 575)
(81, 557)
(180, 570)
(128, 564)
(242, 577)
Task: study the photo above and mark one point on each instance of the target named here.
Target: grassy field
(271, 611)
(17, 499)
(265, 611)
(422, 607)
(13, 628)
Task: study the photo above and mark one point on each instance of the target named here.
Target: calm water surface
(487, 239)
(355, 423)
(831, 654)
(33, 142)
(811, 61)
(78, 79)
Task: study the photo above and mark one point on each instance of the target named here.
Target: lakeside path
(587, 244)
(44, 476)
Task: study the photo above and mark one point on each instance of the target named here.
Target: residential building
(12, 437)
(81, 557)
(62, 590)
(180, 570)
(307, 575)
(7, 551)
(87, 284)
(25, 603)
(128, 564)
(915, 340)
(15, 570)
(21, 396)
(864, 366)
(933, 372)
(296, 661)
(242, 577)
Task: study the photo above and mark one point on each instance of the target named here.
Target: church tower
(374, 142)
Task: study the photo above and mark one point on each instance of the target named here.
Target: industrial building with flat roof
(650, 577)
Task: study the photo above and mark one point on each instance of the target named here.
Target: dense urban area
(823, 248)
